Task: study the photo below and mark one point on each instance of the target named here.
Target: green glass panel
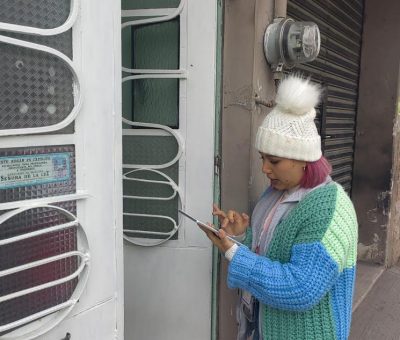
(156, 101)
(146, 4)
(126, 101)
(148, 149)
(156, 46)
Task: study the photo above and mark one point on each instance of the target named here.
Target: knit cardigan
(305, 282)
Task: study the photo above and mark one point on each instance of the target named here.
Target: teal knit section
(340, 239)
(325, 215)
(314, 324)
(249, 238)
(306, 223)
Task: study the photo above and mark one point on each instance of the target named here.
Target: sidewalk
(376, 312)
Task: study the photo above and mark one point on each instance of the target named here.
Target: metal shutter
(337, 69)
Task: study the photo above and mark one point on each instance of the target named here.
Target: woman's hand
(232, 222)
(220, 240)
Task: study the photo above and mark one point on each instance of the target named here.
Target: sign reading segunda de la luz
(19, 171)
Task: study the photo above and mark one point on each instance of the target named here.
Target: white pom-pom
(297, 96)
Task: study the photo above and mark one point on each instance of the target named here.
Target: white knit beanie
(289, 130)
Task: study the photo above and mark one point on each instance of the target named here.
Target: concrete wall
(372, 177)
(246, 76)
(393, 243)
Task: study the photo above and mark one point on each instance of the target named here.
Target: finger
(231, 215)
(245, 216)
(237, 216)
(225, 242)
(225, 222)
(216, 208)
(217, 211)
(222, 234)
(212, 236)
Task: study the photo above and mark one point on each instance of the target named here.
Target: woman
(297, 278)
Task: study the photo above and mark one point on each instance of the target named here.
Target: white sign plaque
(20, 171)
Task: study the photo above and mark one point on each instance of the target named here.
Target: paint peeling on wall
(372, 215)
(383, 202)
(371, 251)
(242, 97)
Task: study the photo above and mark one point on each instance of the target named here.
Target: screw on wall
(67, 337)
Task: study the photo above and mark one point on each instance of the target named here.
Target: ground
(376, 311)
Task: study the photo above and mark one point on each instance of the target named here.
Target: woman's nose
(266, 169)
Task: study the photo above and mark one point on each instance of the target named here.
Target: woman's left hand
(220, 240)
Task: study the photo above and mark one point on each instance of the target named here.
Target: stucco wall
(372, 178)
(246, 76)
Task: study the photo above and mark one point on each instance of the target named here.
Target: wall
(393, 244)
(372, 179)
(246, 76)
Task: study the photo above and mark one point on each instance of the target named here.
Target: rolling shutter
(337, 68)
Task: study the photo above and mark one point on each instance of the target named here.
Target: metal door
(168, 146)
(59, 252)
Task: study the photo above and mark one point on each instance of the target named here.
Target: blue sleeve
(297, 285)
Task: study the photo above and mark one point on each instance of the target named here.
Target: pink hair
(315, 173)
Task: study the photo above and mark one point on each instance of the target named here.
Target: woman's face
(284, 173)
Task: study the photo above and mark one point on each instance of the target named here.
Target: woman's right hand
(232, 222)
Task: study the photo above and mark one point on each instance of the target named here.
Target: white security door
(168, 64)
(59, 162)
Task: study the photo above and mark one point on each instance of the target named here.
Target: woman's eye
(274, 162)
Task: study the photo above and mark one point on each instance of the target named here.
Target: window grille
(153, 105)
(39, 87)
(44, 266)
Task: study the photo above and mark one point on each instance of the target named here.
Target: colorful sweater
(305, 282)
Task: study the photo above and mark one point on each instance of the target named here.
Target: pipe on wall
(280, 8)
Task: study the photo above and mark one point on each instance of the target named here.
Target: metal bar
(170, 16)
(73, 14)
(126, 13)
(38, 315)
(46, 285)
(145, 132)
(178, 72)
(150, 232)
(41, 262)
(38, 233)
(44, 200)
(150, 198)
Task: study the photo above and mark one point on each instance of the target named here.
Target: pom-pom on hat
(289, 130)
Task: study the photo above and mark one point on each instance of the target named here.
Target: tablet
(206, 226)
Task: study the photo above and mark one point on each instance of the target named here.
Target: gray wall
(379, 75)
(246, 76)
